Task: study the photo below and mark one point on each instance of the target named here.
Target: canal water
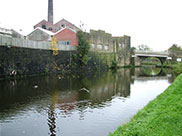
(76, 105)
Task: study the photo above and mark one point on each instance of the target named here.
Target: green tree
(132, 50)
(175, 47)
(174, 51)
(143, 47)
(83, 48)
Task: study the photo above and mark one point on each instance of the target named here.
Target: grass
(161, 117)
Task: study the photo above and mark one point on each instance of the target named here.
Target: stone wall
(26, 57)
(104, 42)
(122, 48)
(101, 60)
(100, 41)
(28, 61)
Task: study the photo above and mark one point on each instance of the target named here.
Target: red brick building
(67, 36)
(63, 30)
(56, 27)
(47, 26)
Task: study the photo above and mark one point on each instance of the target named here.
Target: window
(50, 29)
(68, 42)
(99, 46)
(63, 26)
(64, 42)
(61, 42)
(106, 48)
(44, 26)
(92, 45)
(178, 59)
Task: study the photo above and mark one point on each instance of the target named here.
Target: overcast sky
(156, 23)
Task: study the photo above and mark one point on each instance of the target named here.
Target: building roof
(5, 31)
(46, 31)
(51, 33)
(64, 20)
(64, 29)
(44, 21)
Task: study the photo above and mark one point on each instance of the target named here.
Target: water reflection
(61, 97)
(149, 71)
(52, 115)
(152, 73)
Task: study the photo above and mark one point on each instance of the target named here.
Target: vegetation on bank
(83, 49)
(175, 47)
(177, 67)
(85, 58)
(143, 47)
(161, 117)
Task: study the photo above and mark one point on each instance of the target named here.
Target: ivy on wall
(54, 46)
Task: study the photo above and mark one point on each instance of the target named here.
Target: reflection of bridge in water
(148, 74)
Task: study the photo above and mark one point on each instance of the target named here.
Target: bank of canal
(76, 105)
(161, 117)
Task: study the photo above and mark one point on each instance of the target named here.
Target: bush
(114, 65)
(83, 48)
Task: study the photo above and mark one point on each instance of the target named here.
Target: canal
(77, 104)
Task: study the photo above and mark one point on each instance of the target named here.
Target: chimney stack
(50, 11)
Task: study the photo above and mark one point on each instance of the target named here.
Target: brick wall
(66, 24)
(48, 25)
(67, 35)
(58, 26)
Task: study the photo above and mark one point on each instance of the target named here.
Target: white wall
(16, 42)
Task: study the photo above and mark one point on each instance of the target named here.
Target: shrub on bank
(177, 68)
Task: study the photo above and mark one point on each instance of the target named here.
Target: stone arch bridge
(139, 56)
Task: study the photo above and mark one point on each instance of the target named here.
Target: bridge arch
(142, 55)
(141, 59)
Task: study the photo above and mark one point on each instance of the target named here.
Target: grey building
(40, 34)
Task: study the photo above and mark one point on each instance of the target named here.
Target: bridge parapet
(151, 53)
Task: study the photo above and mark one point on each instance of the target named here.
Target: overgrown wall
(26, 61)
(101, 60)
(26, 57)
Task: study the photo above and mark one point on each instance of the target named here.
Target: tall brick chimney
(50, 11)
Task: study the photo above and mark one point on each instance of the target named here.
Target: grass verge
(161, 117)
